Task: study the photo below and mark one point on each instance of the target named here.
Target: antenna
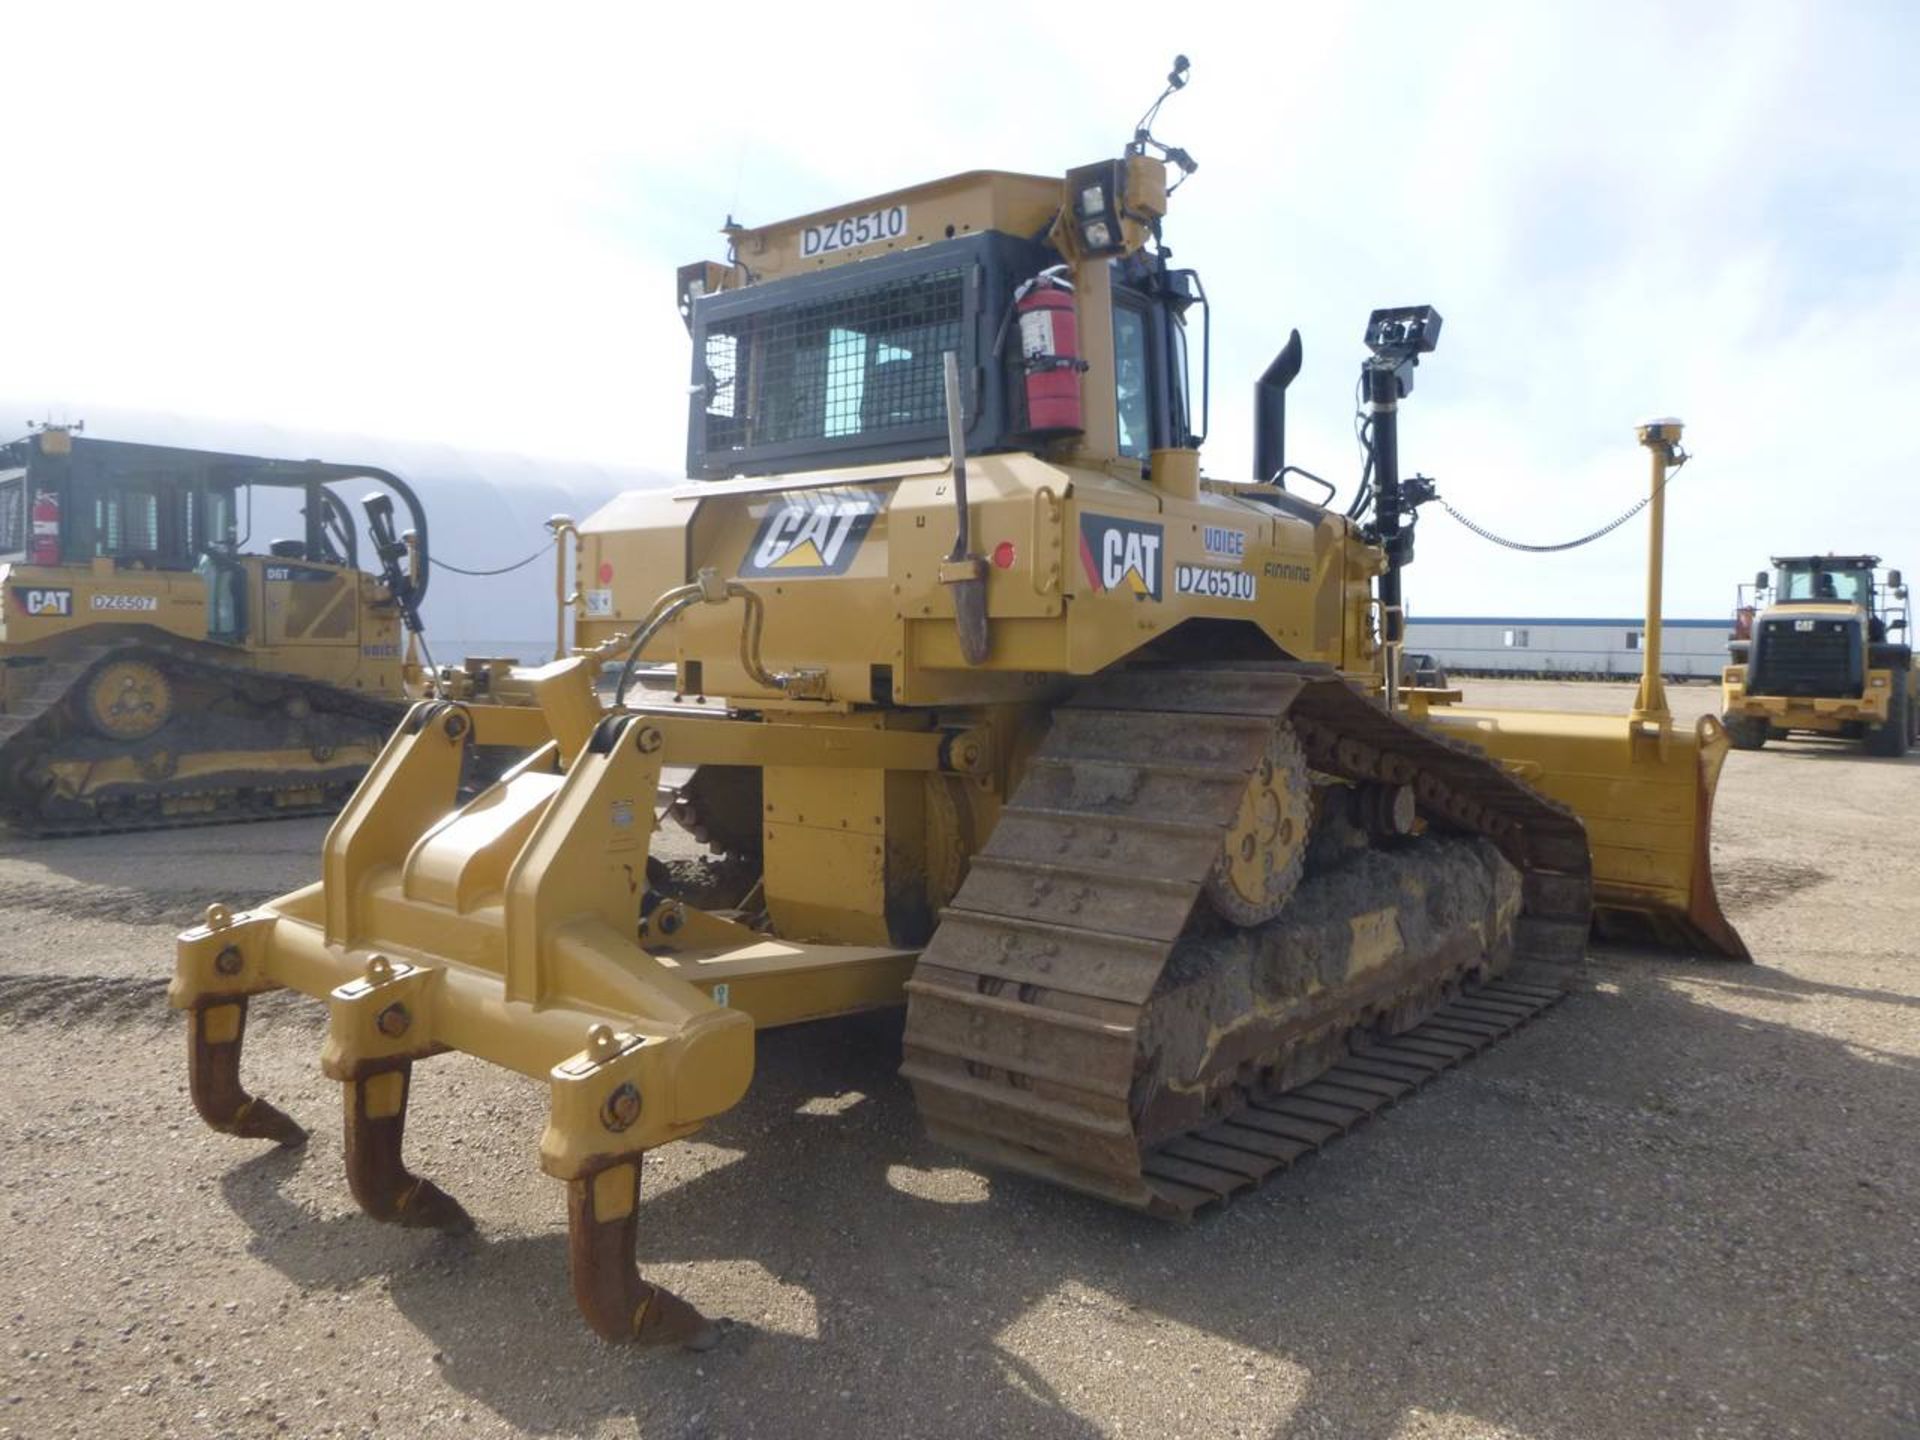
(1143, 135)
(1176, 80)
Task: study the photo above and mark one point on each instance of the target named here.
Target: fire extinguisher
(1050, 353)
(45, 549)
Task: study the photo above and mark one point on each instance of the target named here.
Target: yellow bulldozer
(153, 672)
(1830, 655)
(1098, 765)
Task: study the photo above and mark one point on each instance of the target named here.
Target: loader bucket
(1645, 795)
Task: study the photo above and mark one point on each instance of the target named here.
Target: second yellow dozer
(1094, 763)
(161, 664)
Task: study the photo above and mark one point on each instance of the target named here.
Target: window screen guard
(846, 363)
(859, 365)
(13, 515)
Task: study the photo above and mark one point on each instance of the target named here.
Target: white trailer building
(1565, 647)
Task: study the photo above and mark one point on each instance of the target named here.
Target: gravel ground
(1680, 1204)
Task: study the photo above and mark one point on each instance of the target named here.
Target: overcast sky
(460, 224)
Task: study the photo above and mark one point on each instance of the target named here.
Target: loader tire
(1745, 731)
(1890, 738)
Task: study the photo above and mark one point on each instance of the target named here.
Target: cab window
(1851, 586)
(13, 515)
(219, 529)
(126, 523)
(1131, 400)
(206, 520)
(1177, 383)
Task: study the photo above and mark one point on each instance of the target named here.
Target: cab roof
(999, 200)
(1832, 562)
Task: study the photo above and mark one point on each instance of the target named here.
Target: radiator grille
(1823, 659)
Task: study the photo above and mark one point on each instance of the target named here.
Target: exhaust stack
(1270, 412)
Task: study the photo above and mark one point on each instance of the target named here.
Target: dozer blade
(1646, 798)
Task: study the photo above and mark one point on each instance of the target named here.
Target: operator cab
(69, 500)
(821, 342)
(65, 500)
(1841, 580)
(842, 366)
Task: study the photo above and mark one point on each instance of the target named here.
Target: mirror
(1893, 578)
(1759, 579)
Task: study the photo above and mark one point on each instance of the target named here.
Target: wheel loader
(154, 671)
(1095, 763)
(1830, 655)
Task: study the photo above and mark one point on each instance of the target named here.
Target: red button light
(606, 572)
(1003, 555)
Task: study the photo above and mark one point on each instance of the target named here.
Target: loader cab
(1852, 581)
(1841, 580)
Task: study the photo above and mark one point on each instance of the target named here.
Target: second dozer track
(236, 744)
(1041, 1015)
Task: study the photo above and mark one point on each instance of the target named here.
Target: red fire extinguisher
(1050, 353)
(45, 549)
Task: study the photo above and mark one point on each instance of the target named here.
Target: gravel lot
(1680, 1204)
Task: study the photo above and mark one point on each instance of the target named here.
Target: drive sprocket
(1260, 863)
(128, 700)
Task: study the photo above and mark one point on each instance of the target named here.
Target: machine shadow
(151, 876)
(1823, 751)
(1757, 981)
(1461, 1257)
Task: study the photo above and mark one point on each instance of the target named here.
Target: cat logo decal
(1122, 555)
(810, 532)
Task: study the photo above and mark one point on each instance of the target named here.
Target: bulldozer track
(1027, 1010)
(56, 682)
(239, 794)
(1275, 1129)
